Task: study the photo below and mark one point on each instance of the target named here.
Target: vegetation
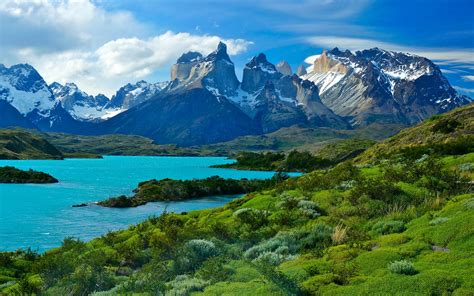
(305, 139)
(23, 144)
(277, 161)
(447, 134)
(10, 174)
(389, 223)
(121, 145)
(174, 190)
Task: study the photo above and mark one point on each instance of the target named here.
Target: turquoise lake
(41, 216)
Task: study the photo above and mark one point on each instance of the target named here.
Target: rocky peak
(257, 72)
(327, 63)
(301, 70)
(284, 68)
(219, 54)
(189, 57)
(215, 72)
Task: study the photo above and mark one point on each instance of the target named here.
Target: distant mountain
(205, 102)
(82, 106)
(22, 144)
(10, 117)
(381, 86)
(190, 117)
(25, 90)
(131, 95)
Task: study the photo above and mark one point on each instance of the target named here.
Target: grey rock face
(182, 69)
(214, 72)
(284, 68)
(131, 95)
(257, 72)
(378, 85)
(301, 70)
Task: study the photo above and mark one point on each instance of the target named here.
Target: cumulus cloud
(97, 49)
(446, 55)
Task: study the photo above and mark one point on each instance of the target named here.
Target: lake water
(41, 216)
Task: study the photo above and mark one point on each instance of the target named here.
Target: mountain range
(204, 102)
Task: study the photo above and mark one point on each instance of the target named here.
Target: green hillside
(119, 145)
(22, 144)
(449, 133)
(397, 222)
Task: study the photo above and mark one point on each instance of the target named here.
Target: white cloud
(124, 60)
(74, 40)
(447, 55)
(468, 77)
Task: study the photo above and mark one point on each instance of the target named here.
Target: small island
(177, 190)
(10, 174)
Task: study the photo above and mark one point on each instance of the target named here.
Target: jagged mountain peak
(284, 68)
(219, 54)
(215, 72)
(301, 70)
(189, 57)
(376, 84)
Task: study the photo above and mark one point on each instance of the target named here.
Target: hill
(394, 227)
(447, 133)
(22, 144)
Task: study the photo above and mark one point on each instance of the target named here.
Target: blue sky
(103, 44)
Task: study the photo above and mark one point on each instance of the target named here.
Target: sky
(103, 44)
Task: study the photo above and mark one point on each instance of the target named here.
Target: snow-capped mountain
(82, 106)
(131, 95)
(378, 85)
(269, 97)
(214, 72)
(205, 102)
(24, 88)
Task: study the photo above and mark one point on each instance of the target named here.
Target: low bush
(387, 227)
(402, 267)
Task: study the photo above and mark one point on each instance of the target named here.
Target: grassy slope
(304, 139)
(320, 234)
(118, 145)
(426, 133)
(21, 144)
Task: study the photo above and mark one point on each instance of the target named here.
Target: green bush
(387, 227)
(445, 126)
(402, 267)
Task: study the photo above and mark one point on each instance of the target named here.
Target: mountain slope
(384, 86)
(453, 130)
(10, 117)
(80, 105)
(191, 117)
(21, 144)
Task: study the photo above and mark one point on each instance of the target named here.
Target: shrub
(339, 234)
(466, 167)
(288, 202)
(283, 243)
(438, 220)
(274, 258)
(308, 208)
(252, 217)
(319, 235)
(183, 285)
(387, 227)
(445, 126)
(402, 267)
(202, 248)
